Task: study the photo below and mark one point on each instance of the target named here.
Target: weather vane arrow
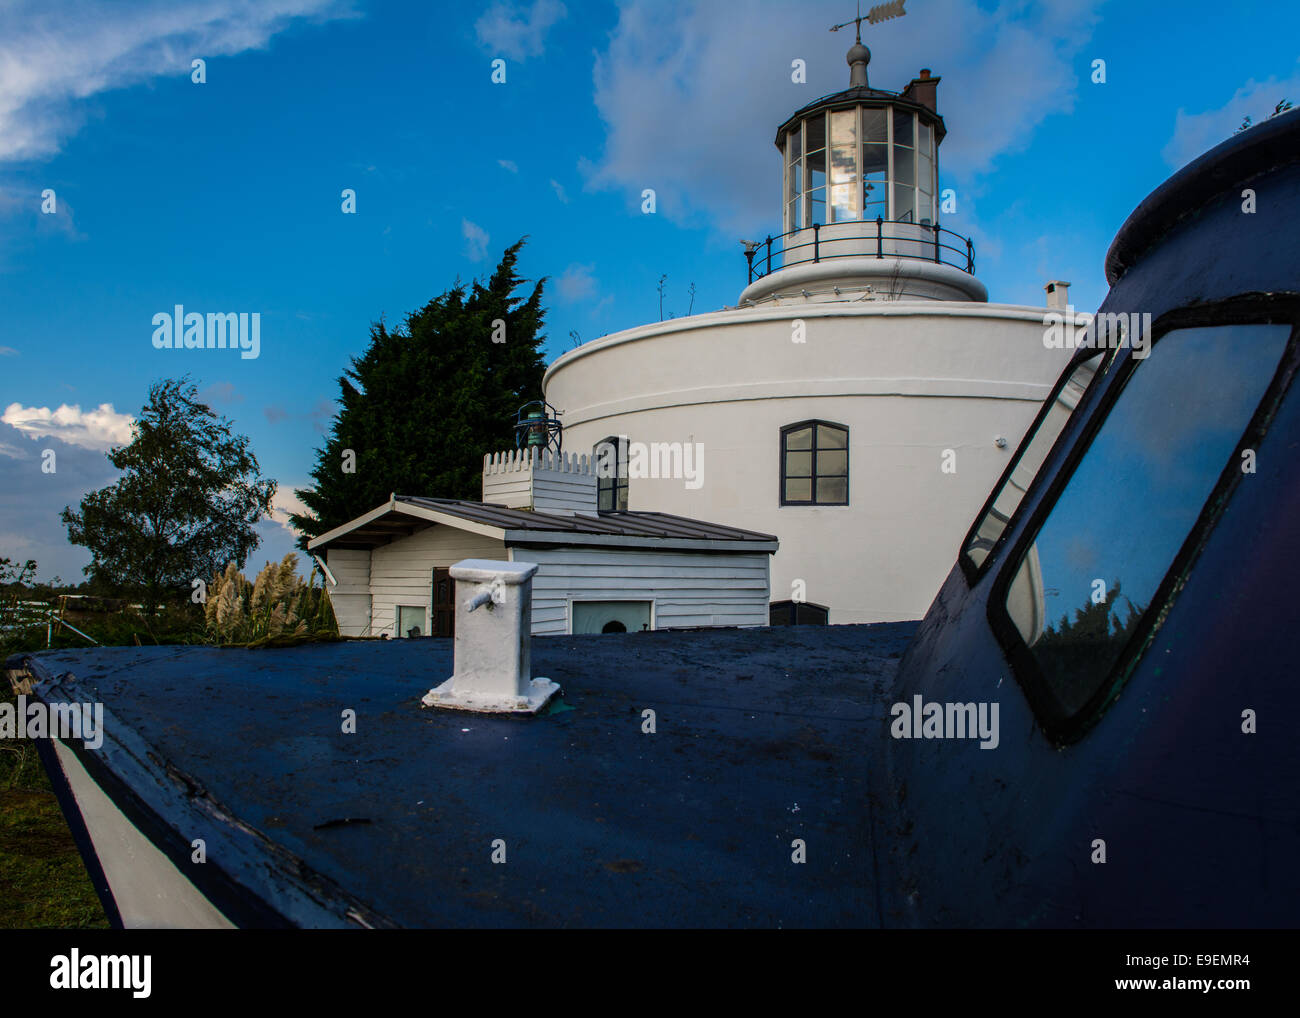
(877, 14)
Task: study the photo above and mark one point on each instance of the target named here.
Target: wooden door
(444, 603)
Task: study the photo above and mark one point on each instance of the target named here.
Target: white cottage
(599, 571)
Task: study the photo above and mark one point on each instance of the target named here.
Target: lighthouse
(860, 213)
(864, 394)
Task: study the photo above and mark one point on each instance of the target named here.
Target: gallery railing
(878, 239)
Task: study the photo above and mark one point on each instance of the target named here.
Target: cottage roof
(404, 515)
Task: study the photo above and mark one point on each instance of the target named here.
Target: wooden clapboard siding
(401, 573)
(351, 597)
(688, 590)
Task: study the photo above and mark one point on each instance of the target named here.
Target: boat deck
(762, 737)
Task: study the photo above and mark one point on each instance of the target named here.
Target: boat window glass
(1033, 450)
(1099, 558)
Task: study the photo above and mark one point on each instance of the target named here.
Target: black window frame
(970, 570)
(814, 424)
(1064, 728)
(616, 486)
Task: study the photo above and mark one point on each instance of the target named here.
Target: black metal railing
(879, 239)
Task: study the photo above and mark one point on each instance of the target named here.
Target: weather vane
(877, 14)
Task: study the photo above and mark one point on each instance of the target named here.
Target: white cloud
(8, 351)
(99, 429)
(518, 31)
(476, 240)
(1195, 133)
(508, 164)
(576, 284)
(286, 502)
(55, 56)
(692, 95)
(560, 193)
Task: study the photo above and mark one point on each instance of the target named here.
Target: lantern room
(860, 180)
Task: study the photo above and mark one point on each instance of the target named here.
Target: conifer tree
(425, 402)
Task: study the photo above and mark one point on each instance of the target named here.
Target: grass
(43, 882)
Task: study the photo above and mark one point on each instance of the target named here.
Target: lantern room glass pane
(875, 127)
(795, 142)
(844, 165)
(904, 203)
(903, 129)
(923, 140)
(875, 176)
(817, 207)
(904, 166)
(815, 128)
(924, 209)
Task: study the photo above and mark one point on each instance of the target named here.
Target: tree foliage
(187, 502)
(424, 403)
(1069, 652)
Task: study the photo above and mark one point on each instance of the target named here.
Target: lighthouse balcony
(871, 259)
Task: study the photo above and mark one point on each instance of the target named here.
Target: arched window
(610, 456)
(814, 464)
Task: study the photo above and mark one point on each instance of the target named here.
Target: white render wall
(687, 588)
(910, 379)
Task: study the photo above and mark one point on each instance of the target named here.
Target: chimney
(560, 483)
(493, 661)
(1058, 294)
(924, 90)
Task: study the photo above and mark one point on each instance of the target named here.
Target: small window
(611, 473)
(1042, 435)
(610, 617)
(410, 621)
(814, 464)
(1099, 569)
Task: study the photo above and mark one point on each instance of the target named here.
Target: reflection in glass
(1100, 557)
(844, 169)
(1049, 427)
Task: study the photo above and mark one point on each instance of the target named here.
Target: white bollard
(494, 615)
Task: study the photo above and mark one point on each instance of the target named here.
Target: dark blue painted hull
(603, 824)
(1201, 821)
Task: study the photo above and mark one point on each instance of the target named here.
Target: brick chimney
(923, 90)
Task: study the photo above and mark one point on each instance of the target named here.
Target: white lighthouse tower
(862, 398)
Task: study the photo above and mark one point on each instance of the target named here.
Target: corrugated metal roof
(622, 523)
(650, 527)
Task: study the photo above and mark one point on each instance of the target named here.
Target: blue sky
(225, 196)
